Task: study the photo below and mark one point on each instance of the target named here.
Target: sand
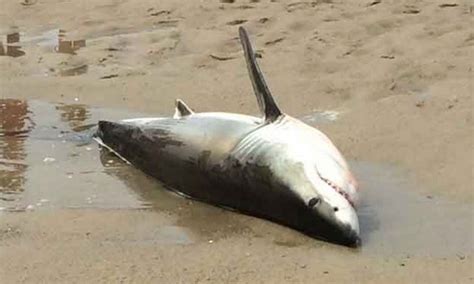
(398, 73)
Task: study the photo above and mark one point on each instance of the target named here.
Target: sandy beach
(390, 82)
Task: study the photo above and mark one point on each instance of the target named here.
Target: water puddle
(10, 50)
(60, 53)
(395, 219)
(189, 214)
(54, 40)
(323, 116)
(48, 161)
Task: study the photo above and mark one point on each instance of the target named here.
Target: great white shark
(274, 167)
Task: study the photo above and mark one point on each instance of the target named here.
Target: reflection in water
(55, 39)
(54, 165)
(14, 127)
(153, 195)
(149, 189)
(191, 216)
(11, 50)
(75, 115)
(70, 46)
(13, 38)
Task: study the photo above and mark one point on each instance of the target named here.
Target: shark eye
(313, 202)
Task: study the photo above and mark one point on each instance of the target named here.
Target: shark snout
(345, 219)
(351, 237)
(349, 226)
(341, 220)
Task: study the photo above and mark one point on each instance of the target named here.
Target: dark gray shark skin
(228, 160)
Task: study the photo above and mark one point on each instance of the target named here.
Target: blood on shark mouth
(338, 189)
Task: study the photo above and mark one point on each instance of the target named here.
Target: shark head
(328, 207)
(335, 197)
(307, 164)
(331, 181)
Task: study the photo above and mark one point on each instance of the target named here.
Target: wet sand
(389, 81)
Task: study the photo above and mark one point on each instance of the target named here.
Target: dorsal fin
(181, 109)
(265, 100)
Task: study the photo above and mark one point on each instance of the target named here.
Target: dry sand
(398, 72)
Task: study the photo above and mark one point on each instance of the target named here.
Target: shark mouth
(338, 189)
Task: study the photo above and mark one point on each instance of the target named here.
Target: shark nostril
(313, 202)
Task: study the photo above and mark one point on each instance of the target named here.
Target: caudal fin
(265, 100)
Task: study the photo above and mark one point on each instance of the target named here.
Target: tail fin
(265, 100)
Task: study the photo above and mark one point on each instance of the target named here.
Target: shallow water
(48, 161)
(396, 219)
(54, 40)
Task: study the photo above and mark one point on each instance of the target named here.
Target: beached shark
(274, 167)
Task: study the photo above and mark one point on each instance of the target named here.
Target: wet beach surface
(51, 165)
(390, 82)
(50, 162)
